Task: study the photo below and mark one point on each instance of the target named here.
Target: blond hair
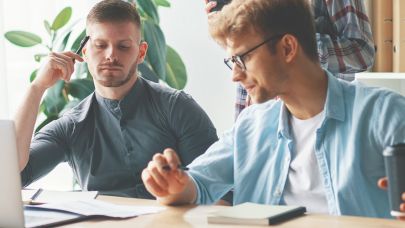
(266, 17)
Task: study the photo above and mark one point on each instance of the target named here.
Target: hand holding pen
(57, 66)
(81, 46)
(164, 175)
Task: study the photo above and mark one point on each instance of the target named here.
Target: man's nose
(237, 73)
(111, 55)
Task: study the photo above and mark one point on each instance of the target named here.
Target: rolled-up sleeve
(212, 172)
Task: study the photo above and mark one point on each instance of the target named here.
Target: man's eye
(246, 57)
(124, 47)
(100, 46)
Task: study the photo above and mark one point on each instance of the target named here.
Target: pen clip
(82, 44)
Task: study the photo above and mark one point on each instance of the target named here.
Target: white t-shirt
(304, 186)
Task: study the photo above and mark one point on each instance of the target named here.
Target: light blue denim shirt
(254, 157)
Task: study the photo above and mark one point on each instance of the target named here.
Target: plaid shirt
(344, 40)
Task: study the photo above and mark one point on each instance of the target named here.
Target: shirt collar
(334, 106)
(124, 107)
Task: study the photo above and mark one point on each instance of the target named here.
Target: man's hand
(208, 7)
(383, 184)
(56, 66)
(162, 177)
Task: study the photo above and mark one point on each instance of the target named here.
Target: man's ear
(84, 50)
(289, 47)
(143, 48)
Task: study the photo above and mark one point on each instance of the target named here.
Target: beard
(115, 79)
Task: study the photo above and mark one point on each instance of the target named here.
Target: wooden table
(195, 216)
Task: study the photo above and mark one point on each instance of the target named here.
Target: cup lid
(395, 150)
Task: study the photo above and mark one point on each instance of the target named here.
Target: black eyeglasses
(238, 59)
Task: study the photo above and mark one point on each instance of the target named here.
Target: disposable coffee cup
(394, 159)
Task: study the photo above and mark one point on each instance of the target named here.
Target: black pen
(167, 168)
(33, 197)
(82, 44)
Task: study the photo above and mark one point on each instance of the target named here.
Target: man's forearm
(188, 196)
(25, 121)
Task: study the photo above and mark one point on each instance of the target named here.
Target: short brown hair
(114, 11)
(267, 17)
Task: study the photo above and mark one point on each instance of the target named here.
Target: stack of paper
(39, 196)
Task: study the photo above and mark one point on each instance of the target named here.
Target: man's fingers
(209, 6)
(172, 158)
(151, 185)
(181, 177)
(58, 68)
(383, 183)
(161, 162)
(73, 56)
(66, 56)
(155, 173)
(62, 63)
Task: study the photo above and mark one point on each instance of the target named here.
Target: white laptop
(12, 213)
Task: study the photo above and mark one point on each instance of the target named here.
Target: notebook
(255, 214)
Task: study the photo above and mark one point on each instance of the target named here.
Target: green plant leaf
(61, 36)
(38, 57)
(156, 55)
(163, 3)
(81, 70)
(147, 72)
(62, 45)
(54, 100)
(76, 43)
(149, 8)
(62, 18)
(33, 75)
(22, 38)
(176, 75)
(80, 88)
(47, 27)
(45, 122)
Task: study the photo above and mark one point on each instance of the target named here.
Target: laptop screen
(11, 207)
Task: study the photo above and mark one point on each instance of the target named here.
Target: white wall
(185, 27)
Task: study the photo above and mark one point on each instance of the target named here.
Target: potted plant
(162, 62)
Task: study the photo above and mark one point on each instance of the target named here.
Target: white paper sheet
(97, 207)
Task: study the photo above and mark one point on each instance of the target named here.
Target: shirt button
(277, 193)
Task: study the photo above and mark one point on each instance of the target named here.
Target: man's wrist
(38, 88)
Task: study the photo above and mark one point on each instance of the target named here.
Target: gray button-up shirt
(109, 142)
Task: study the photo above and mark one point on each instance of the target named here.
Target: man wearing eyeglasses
(344, 40)
(320, 145)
